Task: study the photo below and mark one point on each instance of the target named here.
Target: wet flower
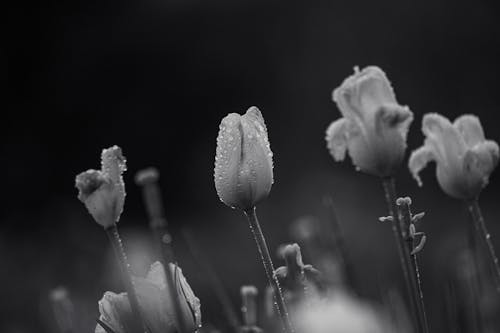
(103, 191)
(243, 162)
(464, 158)
(155, 304)
(373, 127)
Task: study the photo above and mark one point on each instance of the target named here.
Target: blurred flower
(243, 162)
(339, 313)
(63, 309)
(249, 309)
(373, 126)
(464, 158)
(103, 191)
(155, 304)
(295, 276)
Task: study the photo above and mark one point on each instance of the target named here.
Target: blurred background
(156, 77)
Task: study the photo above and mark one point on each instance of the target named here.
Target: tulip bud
(103, 191)
(373, 127)
(243, 162)
(464, 158)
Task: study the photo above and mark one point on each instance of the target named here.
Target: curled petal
(470, 129)
(464, 159)
(115, 312)
(336, 138)
(98, 194)
(484, 157)
(393, 116)
(478, 163)
(419, 159)
(103, 191)
(447, 143)
(376, 126)
(364, 92)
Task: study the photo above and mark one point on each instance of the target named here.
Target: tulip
(103, 191)
(464, 162)
(373, 130)
(464, 158)
(155, 303)
(373, 127)
(243, 162)
(243, 177)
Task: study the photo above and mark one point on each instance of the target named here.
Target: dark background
(156, 77)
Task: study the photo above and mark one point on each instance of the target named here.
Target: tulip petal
(374, 89)
(393, 117)
(190, 304)
(116, 312)
(448, 145)
(481, 160)
(419, 159)
(227, 157)
(470, 129)
(113, 163)
(336, 138)
(364, 92)
(189, 297)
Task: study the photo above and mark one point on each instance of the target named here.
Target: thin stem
(269, 268)
(405, 220)
(116, 242)
(390, 198)
(478, 220)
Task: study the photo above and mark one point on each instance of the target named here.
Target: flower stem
(404, 255)
(480, 226)
(269, 268)
(405, 220)
(116, 242)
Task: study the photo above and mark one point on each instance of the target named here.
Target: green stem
(480, 226)
(269, 268)
(404, 255)
(116, 242)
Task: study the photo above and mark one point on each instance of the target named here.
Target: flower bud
(464, 158)
(243, 162)
(373, 127)
(155, 303)
(249, 306)
(103, 191)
